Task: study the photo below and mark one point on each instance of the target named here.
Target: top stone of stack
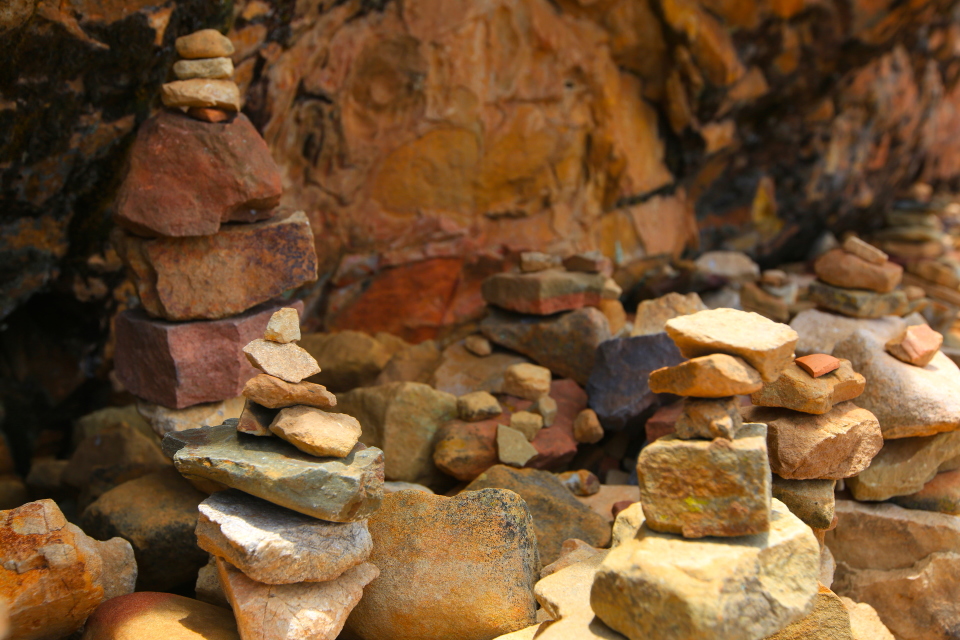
(283, 327)
(206, 43)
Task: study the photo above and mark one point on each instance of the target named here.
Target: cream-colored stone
(285, 361)
(547, 408)
(317, 432)
(211, 68)
(283, 326)
(528, 381)
(200, 92)
(477, 406)
(513, 448)
(652, 315)
(865, 624)
(527, 423)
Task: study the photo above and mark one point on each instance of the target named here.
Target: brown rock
(652, 315)
(917, 345)
(663, 421)
(765, 345)
(461, 567)
(700, 488)
(580, 482)
(285, 361)
(527, 381)
(818, 364)
(942, 494)
(159, 615)
(589, 262)
(465, 450)
(864, 251)
(758, 300)
(543, 292)
(187, 363)
(163, 420)
(52, 575)
(513, 447)
(837, 444)
(712, 376)
(412, 364)
(209, 114)
(533, 261)
(810, 500)
(275, 393)
(587, 428)
(215, 276)
(478, 406)
(206, 43)
(709, 419)
(829, 620)
(186, 177)
(317, 432)
(843, 269)
(284, 325)
(349, 359)
(936, 272)
(256, 419)
(796, 390)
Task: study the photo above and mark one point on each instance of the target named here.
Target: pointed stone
(284, 326)
(285, 361)
(275, 393)
(256, 419)
(317, 432)
(713, 376)
(513, 448)
(797, 390)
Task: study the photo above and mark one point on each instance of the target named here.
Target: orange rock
(864, 250)
(818, 364)
(209, 114)
(917, 345)
(843, 269)
(275, 393)
(147, 614)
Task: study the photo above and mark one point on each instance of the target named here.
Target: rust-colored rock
(818, 364)
(275, 393)
(917, 345)
(186, 363)
(186, 177)
(843, 269)
(464, 450)
(713, 376)
(211, 277)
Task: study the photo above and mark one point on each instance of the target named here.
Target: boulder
(543, 292)
(717, 375)
(798, 390)
(148, 614)
(347, 359)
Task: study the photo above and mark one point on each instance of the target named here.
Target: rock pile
(204, 84)
(858, 280)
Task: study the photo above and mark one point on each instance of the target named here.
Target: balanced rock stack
(858, 280)
(203, 239)
(289, 534)
(711, 481)
(913, 230)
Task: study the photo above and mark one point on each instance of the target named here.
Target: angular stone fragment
(764, 344)
(256, 419)
(543, 292)
(527, 381)
(858, 303)
(52, 575)
(565, 343)
(818, 364)
(527, 423)
(707, 418)
(186, 363)
(942, 494)
(513, 447)
(829, 620)
(211, 68)
(275, 393)
(618, 387)
(285, 361)
(460, 372)
(546, 407)
(703, 488)
(843, 269)
(652, 315)
(461, 567)
(274, 545)
(216, 276)
(317, 432)
(477, 406)
(465, 450)
(581, 482)
(904, 465)
(334, 489)
(142, 615)
(864, 621)
(349, 359)
(713, 376)
(796, 389)
(657, 585)
(163, 420)
(206, 43)
(863, 250)
(810, 500)
(587, 428)
(907, 400)
(837, 444)
(201, 92)
(917, 345)
(284, 325)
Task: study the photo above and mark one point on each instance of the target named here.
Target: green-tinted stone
(858, 303)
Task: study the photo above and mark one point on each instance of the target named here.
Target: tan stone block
(206, 43)
(829, 620)
(528, 381)
(513, 448)
(904, 465)
(527, 423)
(209, 68)
(712, 376)
(477, 406)
(201, 92)
(317, 432)
(796, 390)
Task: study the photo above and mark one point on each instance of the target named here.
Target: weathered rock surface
(285, 361)
(712, 376)
(708, 418)
(565, 343)
(829, 620)
(275, 393)
(187, 177)
(205, 43)
(213, 68)
(157, 514)
(766, 345)
(864, 250)
(843, 269)
(412, 364)
(52, 575)
(460, 372)
(907, 400)
(334, 489)
(903, 466)
(513, 447)
(821, 331)
(464, 450)
(618, 387)
(587, 428)
(472, 558)
(653, 314)
(477, 406)
(528, 381)
(858, 303)
(557, 515)
(543, 292)
(657, 585)
(798, 390)
(703, 488)
(284, 325)
(348, 359)
(942, 494)
(864, 621)
(201, 93)
(160, 615)
(186, 363)
(837, 444)
(317, 432)
(163, 420)
(603, 501)
(215, 276)
(255, 419)
(810, 500)
(917, 345)
(316, 610)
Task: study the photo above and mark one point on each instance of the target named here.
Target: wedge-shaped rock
(657, 586)
(829, 620)
(275, 393)
(706, 418)
(703, 488)
(652, 315)
(713, 376)
(285, 361)
(274, 545)
(905, 465)
(838, 444)
(284, 326)
(843, 269)
(543, 292)
(798, 390)
(810, 500)
(858, 303)
(335, 489)
(317, 432)
(766, 345)
(461, 567)
(315, 610)
(907, 400)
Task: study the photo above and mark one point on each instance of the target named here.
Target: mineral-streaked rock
(843, 269)
(810, 500)
(477, 406)
(917, 345)
(829, 620)
(796, 389)
(461, 567)
(858, 303)
(52, 575)
(285, 361)
(764, 344)
(513, 447)
(274, 545)
(837, 444)
(652, 315)
(708, 418)
(528, 381)
(201, 92)
(657, 585)
(206, 43)
(335, 489)
(283, 326)
(275, 393)
(145, 614)
(907, 400)
(317, 432)
(543, 292)
(703, 488)
(212, 68)
(316, 610)
(713, 376)
(903, 466)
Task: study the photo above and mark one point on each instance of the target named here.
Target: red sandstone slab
(818, 364)
(179, 364)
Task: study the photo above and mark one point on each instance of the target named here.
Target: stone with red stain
(917, 345)
(543, 292)
(148, 614)
(186, 177)
(179, 364)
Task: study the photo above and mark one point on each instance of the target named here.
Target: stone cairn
(288, 536)
(205, 243)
